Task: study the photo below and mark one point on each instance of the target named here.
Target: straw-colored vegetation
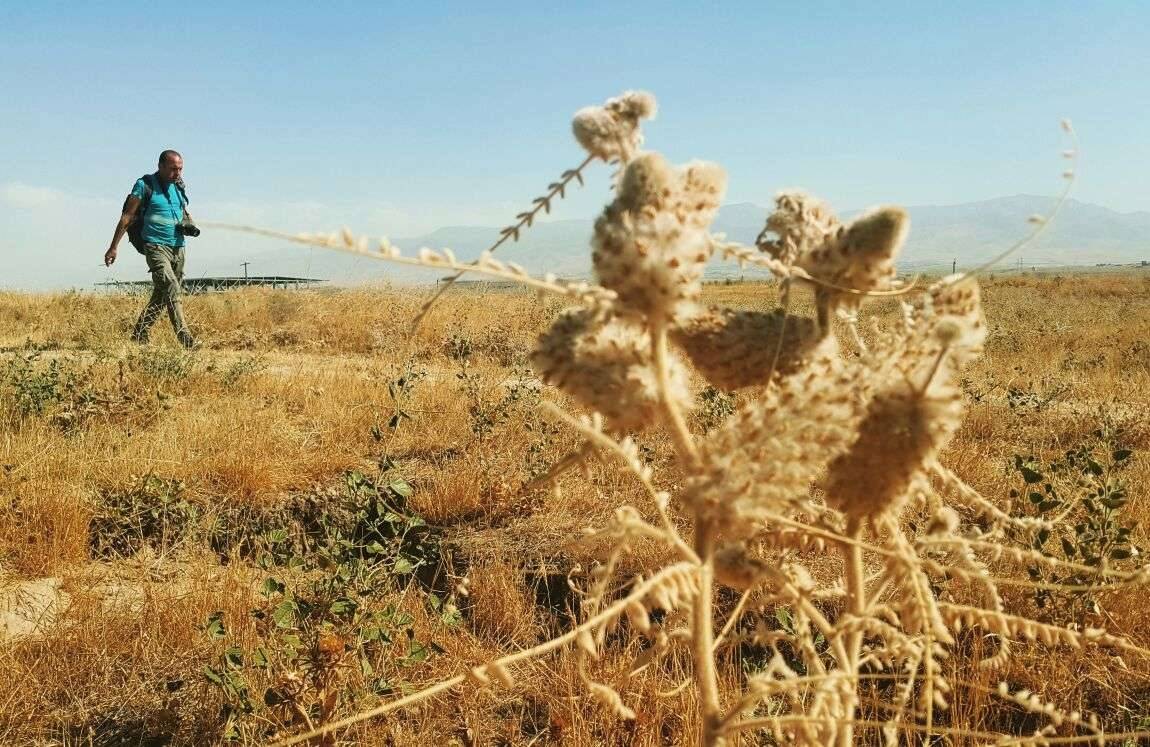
(266, 422)
(918, 517)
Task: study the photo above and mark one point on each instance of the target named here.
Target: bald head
(171, 167)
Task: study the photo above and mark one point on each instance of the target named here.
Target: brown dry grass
(285, 398)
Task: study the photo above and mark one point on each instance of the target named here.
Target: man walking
(162, 226)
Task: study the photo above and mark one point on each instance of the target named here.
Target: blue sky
(397, 118)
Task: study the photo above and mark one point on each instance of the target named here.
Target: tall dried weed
(821, 500)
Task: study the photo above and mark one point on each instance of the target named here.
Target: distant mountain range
(1081, 234)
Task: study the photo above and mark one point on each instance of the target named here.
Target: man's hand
(130, 206)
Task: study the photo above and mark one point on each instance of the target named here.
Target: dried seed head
(956, 295)
(764, 458)
(648, 182)
(916, 408)
(956, 300)
(702, 187)
(800, 223)
(597, 131)
(903, 427)
(862, 255)
(611, 132)
(651, 244)
(945, 329)
(736, 349)
(607, 367)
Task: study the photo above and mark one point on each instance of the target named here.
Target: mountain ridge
(966, 233)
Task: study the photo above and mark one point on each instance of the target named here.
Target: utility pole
(245, 266)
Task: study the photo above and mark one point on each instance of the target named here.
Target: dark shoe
(139, 339)
(189, 342)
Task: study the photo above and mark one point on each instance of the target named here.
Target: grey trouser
(166, 263)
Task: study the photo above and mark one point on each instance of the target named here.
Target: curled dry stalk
(557, 189)
(828, 456)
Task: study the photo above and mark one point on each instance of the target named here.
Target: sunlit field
(324, 509)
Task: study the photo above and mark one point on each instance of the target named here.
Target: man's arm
(130, 207)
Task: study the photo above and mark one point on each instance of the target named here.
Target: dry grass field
(323, 509)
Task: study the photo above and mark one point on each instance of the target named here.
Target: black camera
(184, 228)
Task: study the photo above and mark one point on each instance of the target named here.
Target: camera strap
(183, 196)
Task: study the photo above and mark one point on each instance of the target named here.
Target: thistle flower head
(859, 257)
(736, 349)
(862, 255)
(800, 223)
(764, 459)
(702, 186)
(903, 427)
(944, 330)
(611, 132)
(651, 243)
(607, 367)
(649, 184)
(917, 406)
(957, 300)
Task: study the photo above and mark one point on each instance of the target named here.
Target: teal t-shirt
(162, 213)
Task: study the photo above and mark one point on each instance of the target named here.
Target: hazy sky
(397, 118)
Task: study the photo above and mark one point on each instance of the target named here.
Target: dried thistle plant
(828, 459)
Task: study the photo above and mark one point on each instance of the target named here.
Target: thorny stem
(350, 245)
(786, 306)
(857, 605)
(957, 489)
(525, 219)
(975, 575)
(1022, 555)
(684, 443)
(608, 613)
(829, 535)
(732, 722)
(703, 625)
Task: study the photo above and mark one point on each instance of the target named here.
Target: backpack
(136, 227)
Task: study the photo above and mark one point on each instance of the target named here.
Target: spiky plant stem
(703, 638)
(857, 607)
(703, 625)
(684, 443)
(556, 189)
